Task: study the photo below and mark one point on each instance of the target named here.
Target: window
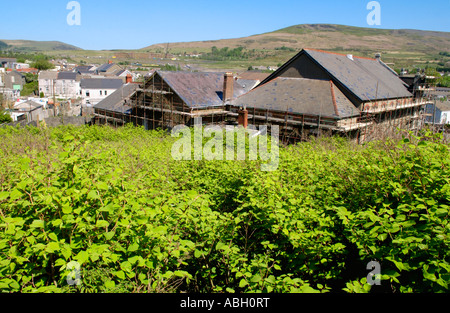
(87, 94)
(100, 93)
(106, 92)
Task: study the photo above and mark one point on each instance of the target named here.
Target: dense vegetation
(4, 116)
(226, 53)
(135, 220)
(31, 87)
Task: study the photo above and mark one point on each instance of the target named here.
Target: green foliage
(5, 117)
(42, 65)
(168, 67)
(226, 54)
(135, 220)
(32, 85)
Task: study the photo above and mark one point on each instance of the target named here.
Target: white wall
(95, 95)
(67, 88)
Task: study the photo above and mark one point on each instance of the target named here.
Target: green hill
(30, 45)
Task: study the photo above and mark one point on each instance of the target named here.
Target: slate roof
(253, 75)
(368, 79)
(104, 67)
(300, 95)
(84, 69)
(199, 89)
(101, 83)
(48, 75)
(443, 106)
(68, 76)
(115, 101)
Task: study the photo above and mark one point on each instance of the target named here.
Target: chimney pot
(243, 117)
(129, 79)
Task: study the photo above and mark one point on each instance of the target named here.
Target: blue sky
(134, 24)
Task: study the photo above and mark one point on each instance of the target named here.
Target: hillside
(30, 45)
(329, 37)
(405, 46)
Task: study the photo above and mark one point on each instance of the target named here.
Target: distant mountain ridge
(329, 37)
(35, 46)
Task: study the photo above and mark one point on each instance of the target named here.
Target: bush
(115, 202)
(5, 117)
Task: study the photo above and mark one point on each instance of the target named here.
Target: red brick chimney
(243, 118)
(110, 62)
(228, 83)
(129, 79)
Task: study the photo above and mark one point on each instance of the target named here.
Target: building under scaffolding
(313, 92)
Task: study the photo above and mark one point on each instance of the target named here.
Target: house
(438, 112)
(67, 85)
(34, 111)
(300, 106)
(167, 99)
(12, 84)
(94, 90)
(315, 91)
(7, 62)
(47, 80)
(373, 87)
(85, 69)
(115, 109)
(108, 69)
(125, 75)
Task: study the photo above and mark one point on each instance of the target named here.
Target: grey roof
(101, 83)
(115, 102)
(68, 76)
(443, 106)
(48, 75)
(84, 69)
(247, 84)
(368, 79)
(199, 89)
(300, 95)
(27, 106)
(105, 67)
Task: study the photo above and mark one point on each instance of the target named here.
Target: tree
(42, 65)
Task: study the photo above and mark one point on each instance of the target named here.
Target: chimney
(378, 56)
(228, 83)
(110, 62)
(129, 79)
(243, 117)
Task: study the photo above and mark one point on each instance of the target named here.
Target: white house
(47, 80)
(439, 113)
(67, 85)
(94, 90)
